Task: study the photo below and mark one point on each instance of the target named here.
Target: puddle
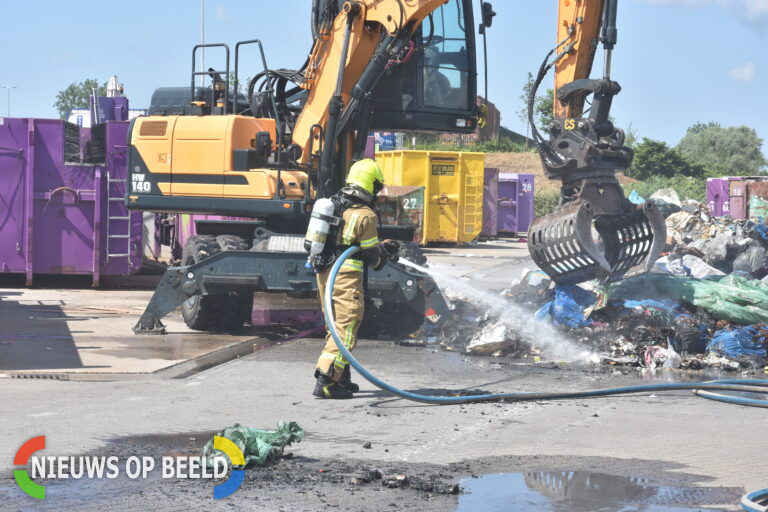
(574, 491)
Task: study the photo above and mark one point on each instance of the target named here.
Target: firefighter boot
(346, 380)
(328, 388)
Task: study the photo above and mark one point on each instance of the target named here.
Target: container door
(490, 199)
(13, 138)
(525, 209)
(758, 199)
(738, 205)
(63, 206)
(508, 193)
(444, 190)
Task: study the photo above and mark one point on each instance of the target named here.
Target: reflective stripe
(356, 265)
(349, 231)
(327, 355)
(371, 242)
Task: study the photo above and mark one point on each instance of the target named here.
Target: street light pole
(202, 41)
(8, 88)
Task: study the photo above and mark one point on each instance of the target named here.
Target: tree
(76, 95)
(656, 158)
(734, 150)
(543, 106)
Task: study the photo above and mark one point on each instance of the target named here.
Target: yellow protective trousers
(348, 307)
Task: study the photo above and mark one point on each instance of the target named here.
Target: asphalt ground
(674, 438)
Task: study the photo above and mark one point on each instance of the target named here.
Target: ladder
(111, 235)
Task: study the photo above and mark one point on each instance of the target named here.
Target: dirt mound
(530, 163)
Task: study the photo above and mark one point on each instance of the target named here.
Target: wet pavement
(86, 331)
(582, 491)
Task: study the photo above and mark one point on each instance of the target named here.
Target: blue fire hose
(756, 501)
(703, 389)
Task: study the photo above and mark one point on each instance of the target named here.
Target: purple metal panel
(370, 147)
(525, 211)
(63, 209)
(13, 146)
(718, 196)
(508, 190)
(112, 216)
(738, 204)
(490, 202)
(515, 202)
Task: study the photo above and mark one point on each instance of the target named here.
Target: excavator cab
(435, 89)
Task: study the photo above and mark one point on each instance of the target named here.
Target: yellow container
(453, 195)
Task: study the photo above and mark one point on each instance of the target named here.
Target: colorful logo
(234, 481)
(21, 459)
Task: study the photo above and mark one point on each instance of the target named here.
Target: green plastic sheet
(259, 447)
(733, 298)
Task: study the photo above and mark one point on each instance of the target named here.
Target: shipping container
(62, 194)
(453, 190)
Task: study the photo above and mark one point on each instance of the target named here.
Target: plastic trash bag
(667, 201)
(259, 447)
(731, 298)
(635, 198)
(715, 249)
(754, 258)
(699, 269)
(747, 341)
(668, 195)
(568, 307)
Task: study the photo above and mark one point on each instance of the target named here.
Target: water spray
(704, 389)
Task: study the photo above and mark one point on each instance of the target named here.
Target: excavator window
(445, 61)
(436, 89)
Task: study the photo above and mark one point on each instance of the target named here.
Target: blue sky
(678, 61)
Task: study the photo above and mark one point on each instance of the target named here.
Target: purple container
(61, 216)
(515, 210)
(718, 196)
(490, 202)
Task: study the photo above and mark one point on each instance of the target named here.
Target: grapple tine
(633, 241)
(562, 245)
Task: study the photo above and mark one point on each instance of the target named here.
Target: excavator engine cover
(597, 234)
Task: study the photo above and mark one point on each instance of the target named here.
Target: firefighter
(357, 228)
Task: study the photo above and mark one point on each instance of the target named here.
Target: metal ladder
(110, 218)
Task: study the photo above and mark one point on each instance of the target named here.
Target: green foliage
(545, 202)
(656, 158)
(731, 151)
(76, 95)
(503, 145)
(543, 106)
(686, 187)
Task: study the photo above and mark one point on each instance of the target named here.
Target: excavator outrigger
(595, 233)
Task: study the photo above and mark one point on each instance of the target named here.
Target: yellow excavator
(400, 65)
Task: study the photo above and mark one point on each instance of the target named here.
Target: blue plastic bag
(635, 198)
(567, 309)
(747, 341)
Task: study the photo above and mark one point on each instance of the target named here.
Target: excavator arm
(348, 59)
(595, 233)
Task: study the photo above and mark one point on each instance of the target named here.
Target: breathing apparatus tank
(320, 223)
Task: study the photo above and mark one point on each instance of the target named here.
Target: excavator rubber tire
(221, 312)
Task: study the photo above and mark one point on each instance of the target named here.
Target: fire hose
(704, 389)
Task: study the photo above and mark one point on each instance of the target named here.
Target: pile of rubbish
(704, 305)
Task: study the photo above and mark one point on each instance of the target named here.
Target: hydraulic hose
(701, 388)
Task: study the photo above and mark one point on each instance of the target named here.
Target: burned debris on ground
(703, 305)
